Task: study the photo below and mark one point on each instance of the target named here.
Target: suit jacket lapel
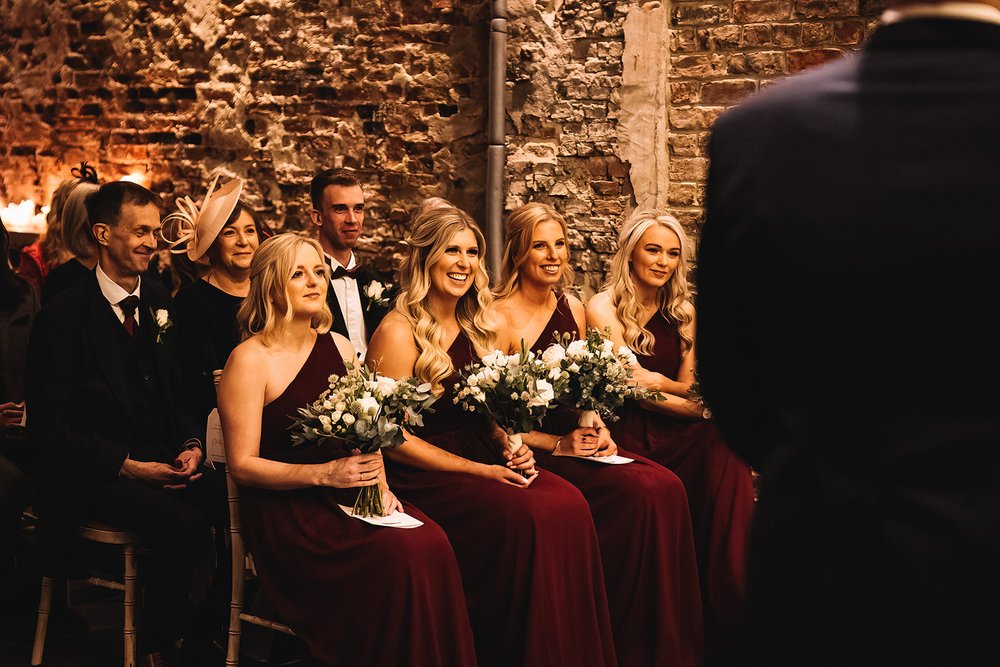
(104, 341)
(339, 324)
(149, 329)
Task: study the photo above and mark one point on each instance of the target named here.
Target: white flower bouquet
(515, 390)
(365, 411)
(597, 377)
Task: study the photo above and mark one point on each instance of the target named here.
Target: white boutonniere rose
(163, 322)
(377, 294)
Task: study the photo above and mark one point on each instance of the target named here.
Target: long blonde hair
(672, 299)
(430, 234)
(521, 225)
(265, 310)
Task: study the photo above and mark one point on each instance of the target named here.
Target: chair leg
(42, 624)
(235, 623)
(129, 632)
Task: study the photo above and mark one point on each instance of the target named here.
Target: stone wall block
(699, 13)
(727, 92)
(753, 11)
(825, 8)
(800, 60)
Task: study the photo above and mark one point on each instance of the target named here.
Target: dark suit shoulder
(155, 294)
(71, 303)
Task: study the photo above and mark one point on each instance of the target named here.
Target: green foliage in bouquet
(515, 389)
(363, 411)
(595, 376)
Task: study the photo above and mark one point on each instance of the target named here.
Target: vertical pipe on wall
(496, 139)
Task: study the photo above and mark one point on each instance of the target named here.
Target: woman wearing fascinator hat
(223, 231)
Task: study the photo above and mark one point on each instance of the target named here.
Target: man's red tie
(128, 306)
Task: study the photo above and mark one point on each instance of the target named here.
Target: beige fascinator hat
(193, 228)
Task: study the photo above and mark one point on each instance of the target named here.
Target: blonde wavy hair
(430, 234)
(265, 309)
(521, 225)
(672, 298)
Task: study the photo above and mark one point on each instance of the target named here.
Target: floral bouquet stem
(369, 502)
(514, 445)
(589, 419)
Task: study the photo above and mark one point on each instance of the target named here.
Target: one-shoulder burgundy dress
(356, 593)
(719, 487)
(643, 523)
(529, 557)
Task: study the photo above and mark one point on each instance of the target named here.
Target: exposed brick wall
(723, 51)
(273, 90)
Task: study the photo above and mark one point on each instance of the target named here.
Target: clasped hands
(586, 441)
(177, 476)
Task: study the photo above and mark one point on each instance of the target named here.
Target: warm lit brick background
(273, 90)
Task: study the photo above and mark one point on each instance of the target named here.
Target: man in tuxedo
(847, 270)
(104, 411)
(353, 295)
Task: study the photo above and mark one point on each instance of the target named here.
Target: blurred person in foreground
(846, 274)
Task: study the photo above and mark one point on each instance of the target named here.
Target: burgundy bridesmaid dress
(719, 488)
(356, 593)
(530, 559)
(643, 523)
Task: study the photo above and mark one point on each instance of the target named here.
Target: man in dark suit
(358, 298)
(103, 409)
(847, 270)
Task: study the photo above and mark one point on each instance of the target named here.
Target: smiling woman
(223, 232)
(526, 545)
(343, 585)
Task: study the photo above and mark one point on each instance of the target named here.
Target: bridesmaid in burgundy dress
(526, 546)
(647, 305)
(640, 509)
(356, 593)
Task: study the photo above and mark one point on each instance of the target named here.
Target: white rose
(555, 373)
(424, 388)
(553, 354)
(495, 358)
(162, 317)
(543, 396)
(375, 290)
(335, 417)
(349, 419)
(573, 368)
(385, 385)
(325, 421)
(368, 404)
(577, 349)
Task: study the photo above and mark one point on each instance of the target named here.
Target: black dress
(205, 318)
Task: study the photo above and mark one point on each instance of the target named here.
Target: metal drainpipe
(495, 151)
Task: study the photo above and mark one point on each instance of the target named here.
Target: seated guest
(77, 239)
(358, 306)
(224, 231)
(105, 412)
(647, 305)
(48, 252)
(526, 545)
(640, 509)
(18, 306)
(356, 593)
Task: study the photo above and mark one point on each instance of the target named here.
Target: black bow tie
(341, 272)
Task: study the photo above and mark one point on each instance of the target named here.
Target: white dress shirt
(114, 293)
(349, 297)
